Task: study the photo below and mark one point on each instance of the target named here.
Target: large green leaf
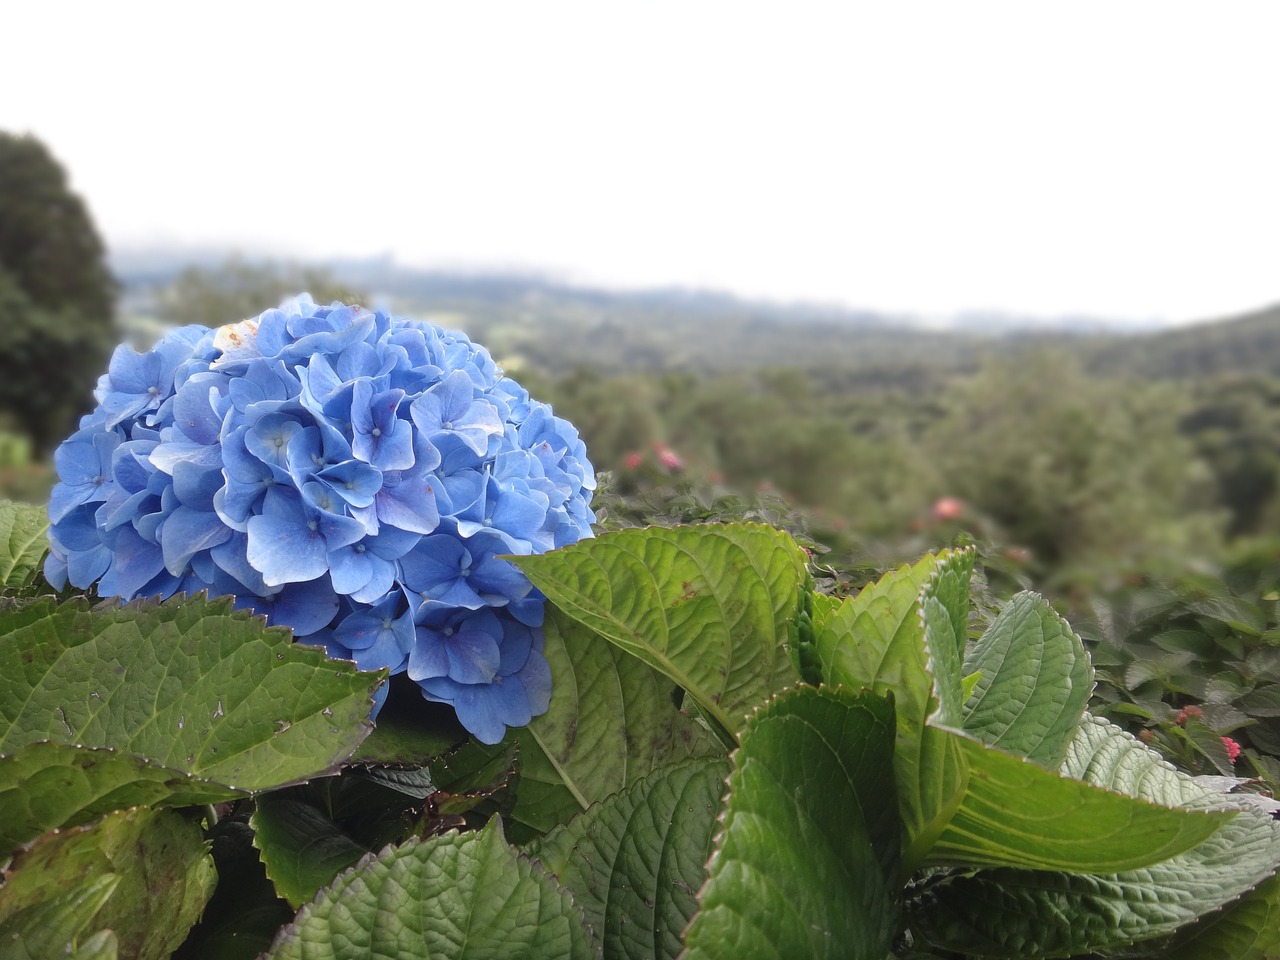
(1249, 928)
(708, 606)
(876, 641)
(160, 874)
(46, 785)
(612, 722)
(24, 538)
(1015, 813)
(806, 864)
(188, 684)
(1032, 913)
(636, 861)
(1018, 913)
(456, 896)
(1035, 681)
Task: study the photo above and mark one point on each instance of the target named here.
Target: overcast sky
(1116, 158)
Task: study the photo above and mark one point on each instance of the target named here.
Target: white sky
(1119, 158)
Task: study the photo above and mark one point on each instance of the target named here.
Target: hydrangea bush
(353, 475)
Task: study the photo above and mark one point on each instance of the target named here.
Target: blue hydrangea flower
(352, 475)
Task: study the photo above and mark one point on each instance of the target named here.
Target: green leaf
(51, 926)
(944, 616)
(462, 896)
(475, 773)
(24, 539)
(1036, 681)
(707, 606)
(1248, 929)
(876, 641)
(46, 785)
(302, 849)
(1104, 755)
(162, 877)
(103, 945)
(806, 864)
(1015, 813)
(1031, 913)
(635, 862)
(412, 782)
(612, 722)
(188, 684)
(1238, 614)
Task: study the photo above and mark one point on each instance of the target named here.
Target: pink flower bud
(948, 508)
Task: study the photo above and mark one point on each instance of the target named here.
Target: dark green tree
(56, 295)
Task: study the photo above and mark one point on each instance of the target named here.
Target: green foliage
(143, 874)
(46, 785)
(485, 900)
(889, 658)
(303, 849)
(52, 926)
(56, 295)
(963, 805)
(1017, 814)
(612, 721)
(1190, 660)
(734, 588)
(1249, 930)
(1033, 682)
(1234, 425)
(636, 861)
(806, 863)
(23, 532)
(1078, 471)
(190, 701)
(911, 767)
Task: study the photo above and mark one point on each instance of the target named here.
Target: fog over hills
(383, 277)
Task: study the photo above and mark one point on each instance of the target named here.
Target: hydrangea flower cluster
(352, 475)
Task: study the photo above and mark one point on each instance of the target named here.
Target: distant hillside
(1249, 344)
(558, 328)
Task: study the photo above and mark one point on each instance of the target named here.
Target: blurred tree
(1086, 473)
(56, 295)
(238, 289)
(1234, 423)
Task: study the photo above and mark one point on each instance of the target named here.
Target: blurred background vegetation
(1133, 477)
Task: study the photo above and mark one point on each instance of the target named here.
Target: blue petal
(285, 551)
(135, 565)
(185, 533)
(350, 568)
(409, 505)
(303, 607)
(428, 658)
(355, 482)
(473, 655)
